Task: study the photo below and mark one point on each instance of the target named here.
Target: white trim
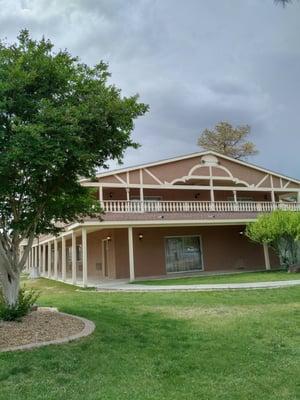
(84, 256)
(188, 187)
(74, 259)
(131, 253)
(193, 155)
(55, 262)
(63, 259)
(119, 179)
(262, 180)
(153, 176)
(286, 185)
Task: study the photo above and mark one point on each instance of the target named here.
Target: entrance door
(105, 257)
(183, 254)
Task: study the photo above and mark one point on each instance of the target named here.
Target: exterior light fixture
(108, 237)
(241, 233)
(141, 236)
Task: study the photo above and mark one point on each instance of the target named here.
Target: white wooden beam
(74, 266)
(188, 187)
(153, 176)
(40, 260)
(55, 259)
(44, 260)
(84, 256)
(49, 259)
(63, 259)
(131, 254)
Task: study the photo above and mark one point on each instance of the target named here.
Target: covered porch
(89, 255)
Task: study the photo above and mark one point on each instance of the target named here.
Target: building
(181, 215)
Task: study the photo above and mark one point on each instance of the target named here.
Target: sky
(195, 62)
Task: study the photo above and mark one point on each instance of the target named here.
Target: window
(183, 253)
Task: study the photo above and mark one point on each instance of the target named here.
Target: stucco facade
(173, 216)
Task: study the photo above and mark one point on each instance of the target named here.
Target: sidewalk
(125, 286)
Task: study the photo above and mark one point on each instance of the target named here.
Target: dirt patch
(39, 326)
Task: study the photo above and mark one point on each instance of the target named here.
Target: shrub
(26, 300)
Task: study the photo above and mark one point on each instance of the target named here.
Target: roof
(187, 156)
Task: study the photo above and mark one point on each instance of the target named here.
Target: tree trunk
(10, 289)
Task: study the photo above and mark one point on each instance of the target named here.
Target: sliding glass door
(183, 253)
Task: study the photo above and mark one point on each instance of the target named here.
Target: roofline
(191, 155)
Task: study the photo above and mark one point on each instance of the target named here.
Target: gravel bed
(42, 325)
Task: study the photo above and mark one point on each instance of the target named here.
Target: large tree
(228, 140)
(59, 119)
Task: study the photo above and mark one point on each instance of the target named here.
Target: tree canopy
(227, 140)
(59, 119)
(281, 231)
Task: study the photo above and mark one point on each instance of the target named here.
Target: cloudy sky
(195, 62)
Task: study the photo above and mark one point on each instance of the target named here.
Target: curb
(88, 329)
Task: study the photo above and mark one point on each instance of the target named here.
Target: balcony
(137, 206)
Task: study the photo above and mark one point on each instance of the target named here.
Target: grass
(229, 345)
(226, 278)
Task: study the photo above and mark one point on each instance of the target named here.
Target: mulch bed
(42, 325)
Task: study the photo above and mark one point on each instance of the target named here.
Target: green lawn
(226, 278)
(233, 345)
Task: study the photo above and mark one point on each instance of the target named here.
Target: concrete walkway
(125, 286)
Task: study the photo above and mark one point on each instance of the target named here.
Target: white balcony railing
(136, 206)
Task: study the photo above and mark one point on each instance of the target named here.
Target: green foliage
(59, 120)
(26, 300)
(280, 230)
(227, 140)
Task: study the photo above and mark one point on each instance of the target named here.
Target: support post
(267, 257)
(55, 259)
(49, 259)
(101, 195)
(63, 259)
(131, 254)
(44, 260)
(74, 277)
(40, 260)
(84, 256)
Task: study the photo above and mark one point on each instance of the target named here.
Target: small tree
(227, 140)
(59, 119)
(281, 231)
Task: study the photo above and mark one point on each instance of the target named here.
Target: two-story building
(180, 215)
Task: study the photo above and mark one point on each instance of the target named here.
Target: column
(101, 195)
(267, 257)
(298, 198)
(40, 260)
(44, 260)
(49, 259)
(84, 256)
(55, 259)
(63, 259)
(141, 191)
(131, 254)
(74, 258)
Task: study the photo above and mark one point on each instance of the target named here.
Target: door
(183, 254)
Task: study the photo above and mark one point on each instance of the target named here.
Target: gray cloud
(194, 62)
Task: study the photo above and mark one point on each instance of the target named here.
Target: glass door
(183, 254)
